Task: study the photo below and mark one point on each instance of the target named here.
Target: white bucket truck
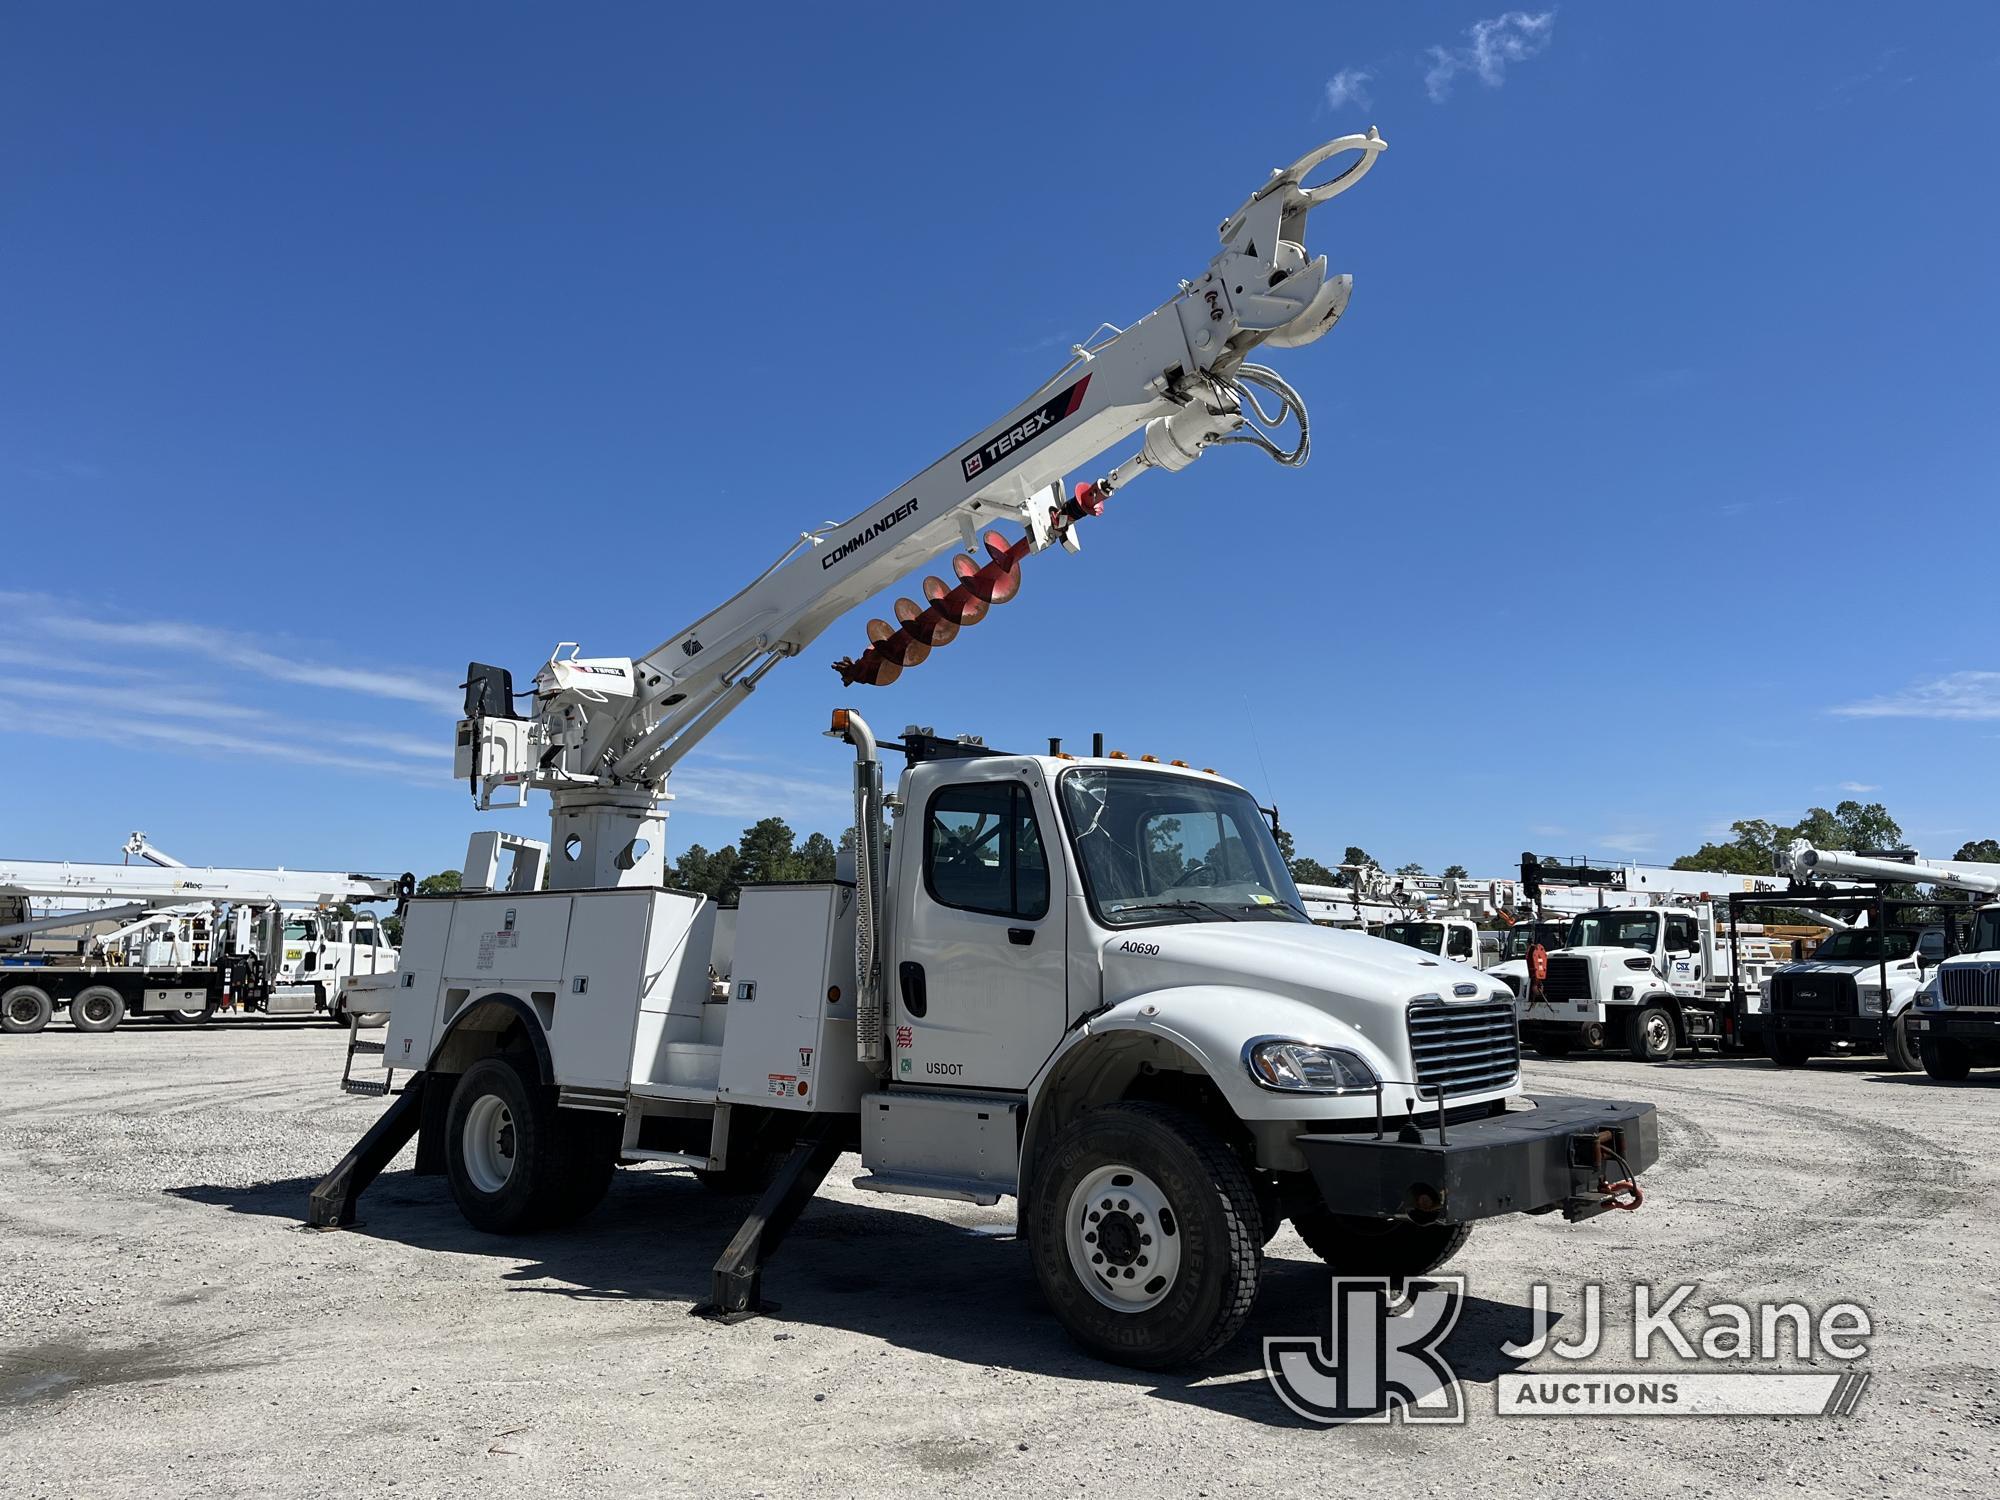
(1087, 983)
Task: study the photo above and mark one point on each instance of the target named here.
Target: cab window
(1680, 934)
(983, 851)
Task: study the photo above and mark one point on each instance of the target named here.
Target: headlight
(1871, 999)
(1929, 998)
(1302, 1068)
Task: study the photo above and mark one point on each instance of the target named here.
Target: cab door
(979, 960)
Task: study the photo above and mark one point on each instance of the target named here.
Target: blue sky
(345, 344)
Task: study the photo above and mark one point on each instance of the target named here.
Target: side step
(739, 1274)
(367, 1087)
(914, 1185)
(331, 1205)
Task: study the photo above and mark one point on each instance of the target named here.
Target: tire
(1378, 1247)
(1946, 1061)
(1651, 1035)
(24, 1009)
(1166, 1174)
(515, 1161)
(1899, 1046)
(1787, 1051)
(1270, 1208)
(97, 1008)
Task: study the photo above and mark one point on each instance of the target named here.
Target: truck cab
(1517, 945)
(1630, 976)
(1453, 938)
(318, 953)
(1956, 1020)
(1855, 994)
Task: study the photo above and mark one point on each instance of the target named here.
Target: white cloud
(1859, 786)
(1625, 843)
(51, 619)
(1348, 86)
(1490, 47)
(19, 718)
(1956, 695)
(733, 792)
(1548, 831)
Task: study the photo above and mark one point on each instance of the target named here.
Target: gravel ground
(167, 1327)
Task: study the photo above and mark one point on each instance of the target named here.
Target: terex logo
(1059, 406)
(869, 532)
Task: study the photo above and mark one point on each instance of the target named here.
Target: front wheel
(1650, 1037)
(1899, 1045)
(1378, 1247)
(1787, 1051)
(1946, 1061)
(1144, 1230)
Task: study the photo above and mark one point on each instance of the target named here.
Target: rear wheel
(97, 1007)
(1651, 1036)
(1144, 1230)
(1947, 1061)
(25, 1008)
(1899, 1045)
(515, 1161)
(1378, 1247)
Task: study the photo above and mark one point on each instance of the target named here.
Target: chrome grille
(1965, 984)
(1569, 978)
(1464, 1049)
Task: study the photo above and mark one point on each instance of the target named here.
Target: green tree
(444, 883)
(1983, 851)
(1755, 844)
(767, 852)
(717, 875)
(1412, 868)
(1308, 871)
(1356, 856)
(815, 858)
(1454, 872)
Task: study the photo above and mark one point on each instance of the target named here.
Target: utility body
(1086, 982)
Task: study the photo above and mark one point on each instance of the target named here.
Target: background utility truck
(1651, 978)
(1949, 1009)
(166, 939)
(1088, 983)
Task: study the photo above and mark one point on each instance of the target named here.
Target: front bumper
(1820, 1025)
(1953, 1025)
(1523, 1161)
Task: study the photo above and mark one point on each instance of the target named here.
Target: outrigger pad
(739, 1274)
(331, 1205)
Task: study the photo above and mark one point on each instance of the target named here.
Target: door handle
(1020, 937)
(911, 977)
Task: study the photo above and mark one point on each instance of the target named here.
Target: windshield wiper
(1184, 904)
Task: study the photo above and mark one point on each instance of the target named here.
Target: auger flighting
(1171, 442)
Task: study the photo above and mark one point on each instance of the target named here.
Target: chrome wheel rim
(1659, 1035)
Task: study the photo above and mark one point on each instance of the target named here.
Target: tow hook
(1590, 1157)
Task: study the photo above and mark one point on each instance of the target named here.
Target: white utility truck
(1649, 969)
(1085, 982)
(1938, 1010)
(190, 940)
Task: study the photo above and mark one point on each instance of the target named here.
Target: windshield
(1428, 936)
(1986, 931)
(1869, 943)
(1166, 848)
(1522, 937)
(1615, 929)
